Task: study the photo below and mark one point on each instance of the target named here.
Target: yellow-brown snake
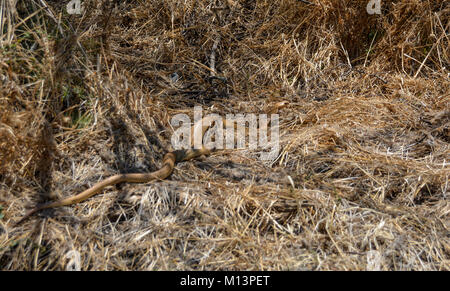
(169, 162)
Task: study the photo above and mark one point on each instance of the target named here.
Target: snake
(168, 164)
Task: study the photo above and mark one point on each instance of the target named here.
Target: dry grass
(364, 139)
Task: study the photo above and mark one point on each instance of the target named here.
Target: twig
(422, 64)
(370, 48)
(424, 60)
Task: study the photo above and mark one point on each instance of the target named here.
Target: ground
(361, 178)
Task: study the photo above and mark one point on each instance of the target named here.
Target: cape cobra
(169, 162)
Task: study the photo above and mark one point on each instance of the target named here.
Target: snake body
(169, 162)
